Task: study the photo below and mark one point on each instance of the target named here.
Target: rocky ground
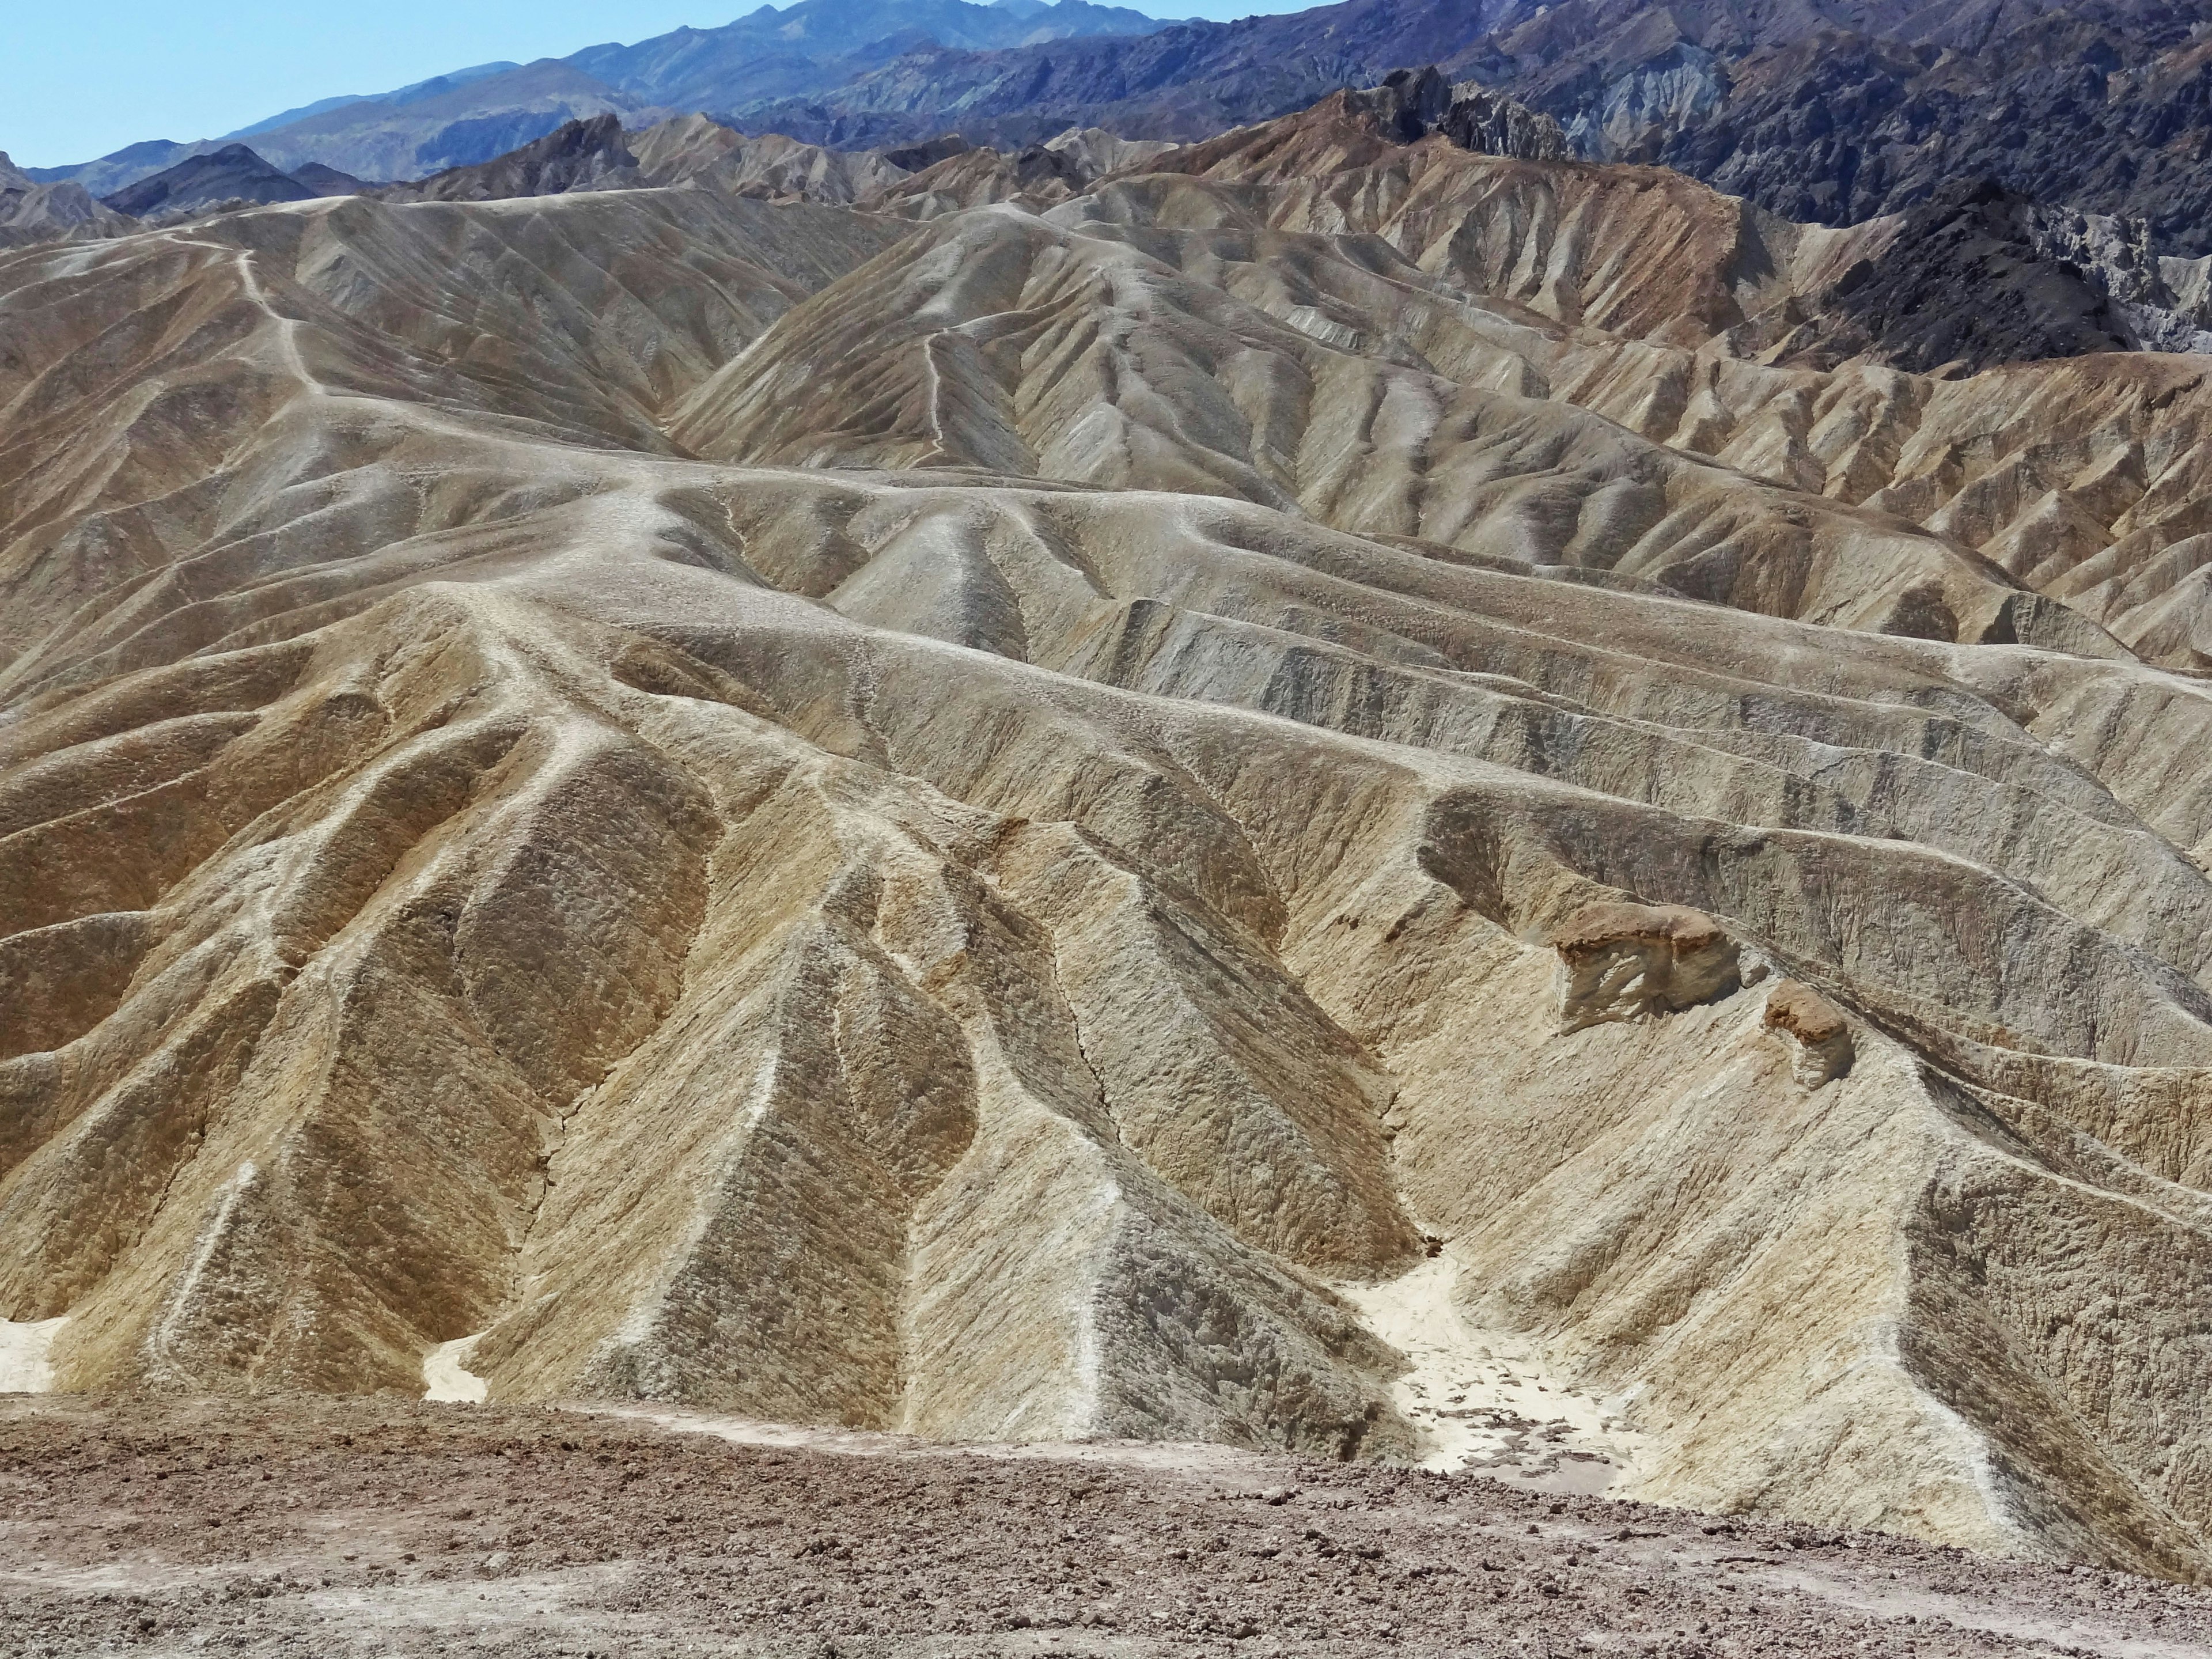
(339, 1527)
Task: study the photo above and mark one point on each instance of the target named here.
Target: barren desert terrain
(1331, 792)
(346, 1527)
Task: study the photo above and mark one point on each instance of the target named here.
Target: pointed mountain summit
(232, 173)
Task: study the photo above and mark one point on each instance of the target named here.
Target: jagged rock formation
(1409, 104)
(32, 212)
(1817, 112)
(581, 155)
(1491, 126)
(942, 824)
(2099, 107)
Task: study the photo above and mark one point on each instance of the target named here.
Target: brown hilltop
(957, 826)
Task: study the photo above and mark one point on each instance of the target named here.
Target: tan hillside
(978, 825)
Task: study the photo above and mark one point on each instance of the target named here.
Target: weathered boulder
(1621, 961)
(1817, 1028)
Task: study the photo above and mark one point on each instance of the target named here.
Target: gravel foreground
(344, 1527)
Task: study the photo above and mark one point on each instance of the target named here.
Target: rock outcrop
(1966, 283)
(1490, 124)
(1816, 114)
(33, 212)
(1822, 1036)
(2097, 108)
(694, 150)
(1624, 961)
(588, 154)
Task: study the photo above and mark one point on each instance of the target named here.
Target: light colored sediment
(445, 1375)
(1486, 1400)
(26, 1351)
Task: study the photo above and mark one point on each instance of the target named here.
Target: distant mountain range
(1830, 110)
(34, 212)
(1975, 276)
(1826, 111)
(474, 114)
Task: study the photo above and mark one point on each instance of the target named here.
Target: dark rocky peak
(1493, 126)
(235, 174)
(916, 157)
(1407, 106)
(1041, 165)
(1412, 104)
(328, 181)
(1971, 280)
(585, 155)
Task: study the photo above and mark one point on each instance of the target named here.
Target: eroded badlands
(944, 818)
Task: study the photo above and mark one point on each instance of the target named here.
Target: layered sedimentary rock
(32, 212)
(1823, 1037)
(1828, 113)
(943, 824)
(919, 181)
(1640, 961)
(692, 149)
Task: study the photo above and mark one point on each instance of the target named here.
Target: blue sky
(75, 85)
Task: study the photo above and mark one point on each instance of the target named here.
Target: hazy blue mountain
(474, 114)
(33, 212)
(408, 94)
(125, 167)
(821, 43)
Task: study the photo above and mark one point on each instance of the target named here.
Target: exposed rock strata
(1817, 112)
(932, 825)
(32, 212)
(694, 150)
(1635, 961)
(1821, 1034)
(916, 181)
